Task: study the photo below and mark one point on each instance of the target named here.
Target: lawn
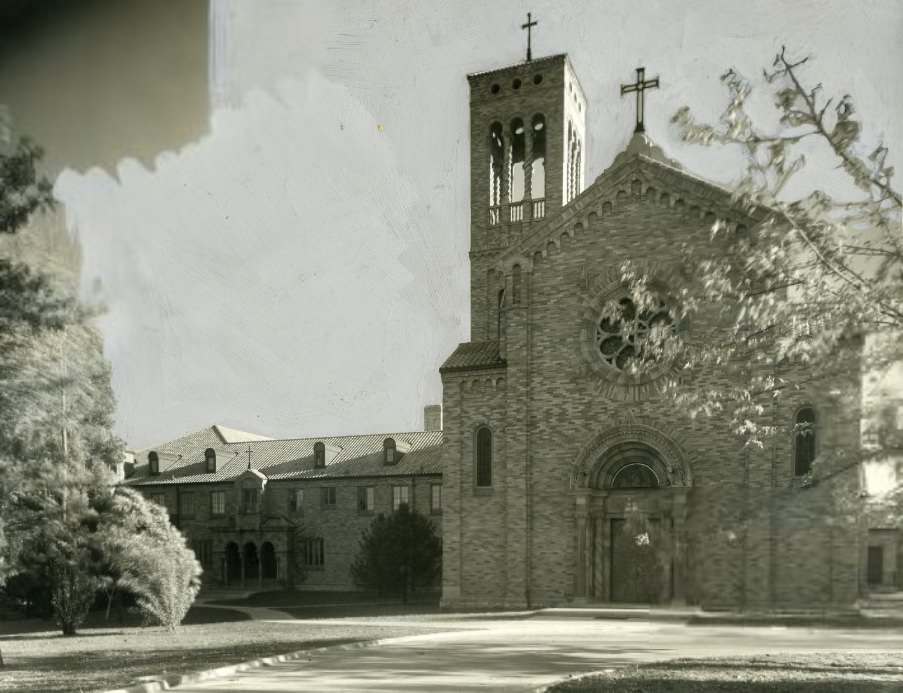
(38, 658)
(317, 605)
(865, 672)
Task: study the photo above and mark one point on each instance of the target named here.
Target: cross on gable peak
(640, 86)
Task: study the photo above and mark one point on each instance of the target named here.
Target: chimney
(432, 417)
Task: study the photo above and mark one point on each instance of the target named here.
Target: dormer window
(153, 461)
(389, 451)
(319, 455)
(210, 460)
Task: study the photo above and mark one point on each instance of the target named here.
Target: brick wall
(340, 526)
(755, 535)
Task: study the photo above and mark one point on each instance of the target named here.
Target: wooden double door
(640, 561)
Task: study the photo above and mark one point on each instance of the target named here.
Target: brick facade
(741, 529)
(250, 527)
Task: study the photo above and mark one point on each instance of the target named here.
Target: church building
(555, 471)
(566, 476)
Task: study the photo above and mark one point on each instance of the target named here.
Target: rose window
(623, 340)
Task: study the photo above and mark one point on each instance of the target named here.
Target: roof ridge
(324, 438)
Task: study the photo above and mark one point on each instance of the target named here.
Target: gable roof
(474, 356)
(209, 437)
(293, 458)
(642, 158)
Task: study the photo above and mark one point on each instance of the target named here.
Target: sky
(299, 267)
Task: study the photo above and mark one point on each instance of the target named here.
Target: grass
(868, 672)
(38, 658)
(317, 605)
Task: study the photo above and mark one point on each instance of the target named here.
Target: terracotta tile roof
(210, 437)
(474, 355)
(357, 456)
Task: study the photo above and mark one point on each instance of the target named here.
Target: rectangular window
(327, 496)
(159, 499)
(296, 500)
(203, 551)
(436, 498)
(365, 499)
(186, 505)
(312, 551)
(400, 494)
(217, 502)
(249, 499)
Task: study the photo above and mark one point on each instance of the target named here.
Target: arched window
(484, 457)
(635, 475)
(319, 455)
(574, 165)
(210, 459)
(153, 461)
(804, 432)
(517, 173)
(496, 163)
(538, 166)
(389, 453)
(515, 285)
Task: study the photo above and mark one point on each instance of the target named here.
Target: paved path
(523, 654)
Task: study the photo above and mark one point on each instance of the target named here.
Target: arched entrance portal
(251, 561)
(233, 563)
(630, 486)
(267, 561)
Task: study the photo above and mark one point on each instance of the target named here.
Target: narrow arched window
(538, 165)
(578, 168)
(496, 163)
(498, 314)
(484, 457)
(517, 179)
(804, 439)
(210, 459)
(389, 453)
(153, 461)
(515, 285)
(319, 455)
(569, 173)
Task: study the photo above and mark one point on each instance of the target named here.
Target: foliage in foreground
(63, 524)
(811, 291)
(148, 558)
(398, 554)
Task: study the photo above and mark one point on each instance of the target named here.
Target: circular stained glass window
(623, 340)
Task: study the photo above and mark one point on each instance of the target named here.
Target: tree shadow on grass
(97, 624)
(92, 670)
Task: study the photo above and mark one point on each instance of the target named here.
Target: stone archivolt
(596, 464)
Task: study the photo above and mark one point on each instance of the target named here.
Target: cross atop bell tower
(529, 25)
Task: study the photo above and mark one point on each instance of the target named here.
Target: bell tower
(527, 143)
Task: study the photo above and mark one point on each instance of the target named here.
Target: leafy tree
(786, 304)
(398, 553)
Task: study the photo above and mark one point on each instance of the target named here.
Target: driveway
(523, 654)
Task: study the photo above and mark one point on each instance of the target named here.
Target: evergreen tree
(63, 523)
(144, 555)
(398, 554)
